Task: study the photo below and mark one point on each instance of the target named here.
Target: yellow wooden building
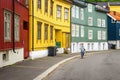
(49, 22)
(114, 6)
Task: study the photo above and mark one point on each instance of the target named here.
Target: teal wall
(94, 14)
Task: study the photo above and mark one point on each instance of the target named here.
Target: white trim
(111, 17)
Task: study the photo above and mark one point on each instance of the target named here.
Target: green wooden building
(88, 26)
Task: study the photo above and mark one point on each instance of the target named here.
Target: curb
(48, 71)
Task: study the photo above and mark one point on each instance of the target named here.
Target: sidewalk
(32, 69)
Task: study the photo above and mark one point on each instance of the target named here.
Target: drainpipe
(70, 30)
(32, 25)
(13, 15)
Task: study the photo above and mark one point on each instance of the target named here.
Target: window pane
(103, 23)
(82, 14)
(39, 24)
(99, 35)
(17, 26)
(73, 11)
(90, 34)
(46, 5)
(46, 32)
(77, 12)
(59, 11)
(99, 22)
(77, 30)
(66, 13)
(89, 7)
(39, 4)
(90, 21)
(82, 31)
(7, 25)
(73, 30)
(51, 7)
(51, 32)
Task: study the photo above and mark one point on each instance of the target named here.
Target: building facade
(49, 26)
(13, 31)
(114, 29)
(114, 6)
(88, 26)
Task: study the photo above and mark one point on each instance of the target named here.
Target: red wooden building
(14, 33)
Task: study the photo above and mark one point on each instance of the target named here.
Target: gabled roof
(115, 15)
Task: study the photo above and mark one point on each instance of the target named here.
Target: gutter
(32, 25)
(13, 15)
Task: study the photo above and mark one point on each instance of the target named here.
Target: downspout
(13, 15)
(70, 29)
(32, 25)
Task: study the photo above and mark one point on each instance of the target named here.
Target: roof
(115, 15)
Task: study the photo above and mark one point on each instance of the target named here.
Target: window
(39, 26)
(90, 34)
(75, 11)
(25, 25)
(112, 21)
(5, 57)
(46, 6)
(73, 30)
(82, 31)
(89, 7)
(103, 23)
(17, 28)
(103, 35)
(27, 3)
(66, 13)
(39, 4)
(99, 22)
(99, 35)
(77, 30)
(7, 25)
(90, 21)
(59, 11)
(51, 7)
(82, 14)
(46, 32)
(51, 32)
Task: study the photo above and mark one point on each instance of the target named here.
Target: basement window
(5, 57)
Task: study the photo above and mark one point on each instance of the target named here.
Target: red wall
(22, 11)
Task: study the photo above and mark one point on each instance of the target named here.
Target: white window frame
(103, 23)
(90, 34)
(73, 11)
(66, 13)
(103, 35)
(82, 14)
(77, 12)
(17, 28)
(73, 30)
(89, 7)
(77, 30)
(90, 21)
(59, 11)
(99, 35)
(82, 31)
(99, 22)
(7, 26)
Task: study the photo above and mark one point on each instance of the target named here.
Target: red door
(26, 39)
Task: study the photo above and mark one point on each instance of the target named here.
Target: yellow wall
(60, 25)
(115, 8)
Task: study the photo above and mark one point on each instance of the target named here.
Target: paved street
(104, 66)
